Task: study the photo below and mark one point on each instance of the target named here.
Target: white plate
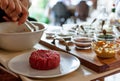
(65, 35)
(20, 65)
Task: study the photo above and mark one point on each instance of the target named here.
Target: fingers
(13, 8)
(15, 13)
(6, 18)
(4, 4)
(24, 15)
(10, 7)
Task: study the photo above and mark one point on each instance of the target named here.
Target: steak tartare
(44, 59)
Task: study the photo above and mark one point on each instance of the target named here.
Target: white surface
(20, 65)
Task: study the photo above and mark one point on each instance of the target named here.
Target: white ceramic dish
(20, 65)
(17, 38)
(116, 31)
(82, 42)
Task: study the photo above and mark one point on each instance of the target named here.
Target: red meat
(44, 59)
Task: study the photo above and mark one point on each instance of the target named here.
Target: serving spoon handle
(31, 26)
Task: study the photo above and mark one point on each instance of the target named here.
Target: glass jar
(118, 11)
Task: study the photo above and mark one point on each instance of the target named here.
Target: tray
(87, 57)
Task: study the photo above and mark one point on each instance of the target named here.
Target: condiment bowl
(105, 49)
(82, 42)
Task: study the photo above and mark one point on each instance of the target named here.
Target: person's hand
(15, 10)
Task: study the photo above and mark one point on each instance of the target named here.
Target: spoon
(103, 22)
(31, 26)
(118, 28)
(93, 21)
(104, 33)
(83, 29)
(66, 43)
(53, 42)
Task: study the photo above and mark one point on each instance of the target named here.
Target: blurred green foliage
(44, 3)
(37, 11)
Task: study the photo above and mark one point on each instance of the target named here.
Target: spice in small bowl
(105, 49)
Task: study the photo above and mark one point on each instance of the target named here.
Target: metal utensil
(83, 29)
(66, 43)
(104, 33)
(93, 21)
(31, 26)
(102, 24)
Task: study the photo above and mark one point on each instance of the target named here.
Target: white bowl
(82, 42)
(17, 38)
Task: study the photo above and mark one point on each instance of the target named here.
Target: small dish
(50, 35)
(65, 34)
(105, 49)
(82, 42)
(107, 37)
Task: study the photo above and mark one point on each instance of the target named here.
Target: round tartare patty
(44, 59)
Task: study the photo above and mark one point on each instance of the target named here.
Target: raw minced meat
(44, 59)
